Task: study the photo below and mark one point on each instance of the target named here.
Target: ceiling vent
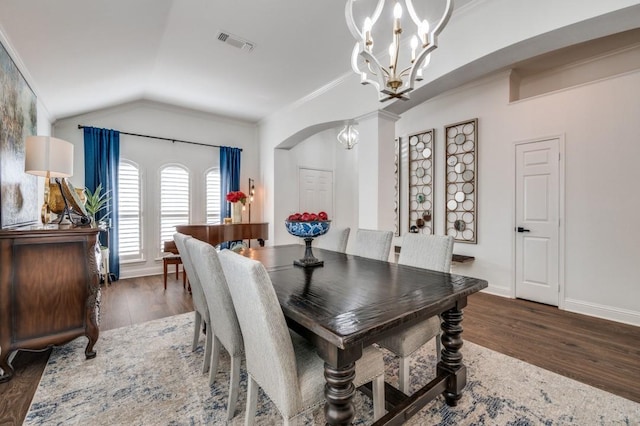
(235, 41)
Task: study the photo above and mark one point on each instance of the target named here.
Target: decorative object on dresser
(48, 157)
(18, 119)
(461, 187)
(49, 290)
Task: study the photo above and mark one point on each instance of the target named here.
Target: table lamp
(51, 158)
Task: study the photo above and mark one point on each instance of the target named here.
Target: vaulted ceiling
(85, 55)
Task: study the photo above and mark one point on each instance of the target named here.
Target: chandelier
(348, 136)
(394, 81)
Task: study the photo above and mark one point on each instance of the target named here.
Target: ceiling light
(349, 136)
(396, 80)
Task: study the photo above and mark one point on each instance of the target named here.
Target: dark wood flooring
(601, 353)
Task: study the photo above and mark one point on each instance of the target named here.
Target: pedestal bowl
(308, 230)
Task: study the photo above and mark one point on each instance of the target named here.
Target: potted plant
(96, 201)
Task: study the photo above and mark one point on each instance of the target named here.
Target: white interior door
(537, 221)
(316, 191)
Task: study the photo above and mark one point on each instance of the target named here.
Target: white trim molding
(603, 311)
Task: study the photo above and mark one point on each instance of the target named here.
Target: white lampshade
(48, 156)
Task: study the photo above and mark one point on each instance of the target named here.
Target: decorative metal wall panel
(461, 183)
(396, 164)
(421, 182)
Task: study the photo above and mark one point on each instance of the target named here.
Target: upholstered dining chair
(282, 363)
(429, 252)
(373, 244)
(201, 309)
(335, 240)
(224, 327)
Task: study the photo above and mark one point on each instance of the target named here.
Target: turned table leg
(451, 362)
(339, 391)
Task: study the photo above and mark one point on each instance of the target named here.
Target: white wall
(151, 154)
(600, 126)
(322, 152)
(481, 38)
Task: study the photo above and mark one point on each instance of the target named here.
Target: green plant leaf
(96, 200)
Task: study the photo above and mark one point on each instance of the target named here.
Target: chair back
(187, 263)
(221, 311)
(373, 244)
(271, 361)
(335, 240)
(427, 251)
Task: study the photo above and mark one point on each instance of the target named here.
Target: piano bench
(173, 259)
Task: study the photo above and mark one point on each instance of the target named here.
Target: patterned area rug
(147, 375)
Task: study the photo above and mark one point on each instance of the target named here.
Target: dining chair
(282, 363)
(429, 252)
(224, 327)
(334, 240)
(172, 258)
(373, 244)
(201, 309)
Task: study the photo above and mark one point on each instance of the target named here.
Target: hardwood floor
(124, 303)
(601, 353)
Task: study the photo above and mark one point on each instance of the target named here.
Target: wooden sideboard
(49, 290)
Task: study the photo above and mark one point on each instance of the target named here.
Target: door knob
(521, 229)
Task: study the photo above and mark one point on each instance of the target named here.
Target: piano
(216, 234)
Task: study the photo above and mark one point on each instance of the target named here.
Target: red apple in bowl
(323, 216)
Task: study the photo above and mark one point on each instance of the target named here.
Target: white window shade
(130, 212)
(174, 201)
(213, 197)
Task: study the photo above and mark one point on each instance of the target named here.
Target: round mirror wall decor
(421, 147)
(461, 181)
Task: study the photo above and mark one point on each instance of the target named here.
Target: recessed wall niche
(421, 182)
(461, 189)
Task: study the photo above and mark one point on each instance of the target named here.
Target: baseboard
(602, 311)
(498, 291)
(144, 272)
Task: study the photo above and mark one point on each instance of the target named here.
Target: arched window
(213, 196)
(174, 200)
(130, 211)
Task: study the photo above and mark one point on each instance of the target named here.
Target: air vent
(235, 41)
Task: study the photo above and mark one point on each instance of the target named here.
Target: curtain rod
(80, 126)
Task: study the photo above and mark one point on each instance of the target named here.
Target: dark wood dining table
(352, 302)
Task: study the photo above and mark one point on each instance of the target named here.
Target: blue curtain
(101, 159)
(229, 177)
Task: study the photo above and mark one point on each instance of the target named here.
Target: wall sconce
(51, 158)
(252, 192)
(349, 136)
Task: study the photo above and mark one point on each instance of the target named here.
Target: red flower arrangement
(235, 196)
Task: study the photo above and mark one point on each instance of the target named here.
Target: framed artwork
(421, 182)
(461, 181)
(18, 119)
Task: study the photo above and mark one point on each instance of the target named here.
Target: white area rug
(147, 375)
